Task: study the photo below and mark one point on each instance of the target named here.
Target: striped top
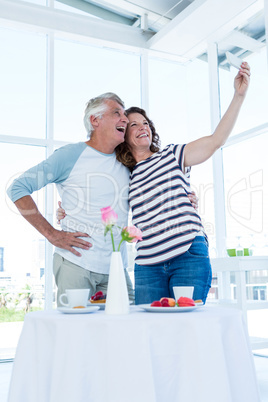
(160, 207)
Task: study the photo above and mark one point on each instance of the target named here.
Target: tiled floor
(261, 364)
(5, 374)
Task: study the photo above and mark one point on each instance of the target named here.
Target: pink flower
(131, 234)
(108, 216)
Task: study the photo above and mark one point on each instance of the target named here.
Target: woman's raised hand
(241, 81)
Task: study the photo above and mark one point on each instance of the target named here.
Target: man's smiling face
(113, 123)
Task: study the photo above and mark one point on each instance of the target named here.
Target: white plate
(100, 305)
(69, 310)
(148, 307)
(199, 304)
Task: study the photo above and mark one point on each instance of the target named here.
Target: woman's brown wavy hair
(123, 153)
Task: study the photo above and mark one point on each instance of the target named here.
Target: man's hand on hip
(69, 240)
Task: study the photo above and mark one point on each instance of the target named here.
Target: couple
(90, 176)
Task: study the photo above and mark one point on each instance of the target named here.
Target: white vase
(117, 301)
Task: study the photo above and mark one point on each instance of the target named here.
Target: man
(88, 177)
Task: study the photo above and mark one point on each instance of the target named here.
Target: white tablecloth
(198, 356)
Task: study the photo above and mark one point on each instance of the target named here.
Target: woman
(174, 248)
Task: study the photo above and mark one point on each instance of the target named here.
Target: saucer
(69, 310)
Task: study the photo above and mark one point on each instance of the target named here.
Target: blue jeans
(192, 268)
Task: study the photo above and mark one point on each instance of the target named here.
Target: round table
(198, 356)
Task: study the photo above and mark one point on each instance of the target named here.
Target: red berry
(185, 302)
(165, 303)
(164, 299)
(156, 304)
(97, 295)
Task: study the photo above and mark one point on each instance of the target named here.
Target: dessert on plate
(98, 297)
(170, 302)
(164, 302)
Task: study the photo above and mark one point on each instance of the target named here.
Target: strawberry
(185, 302)
(156, 304)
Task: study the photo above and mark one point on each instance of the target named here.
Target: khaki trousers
(71, 276)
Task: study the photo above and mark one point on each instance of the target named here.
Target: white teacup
(75, 297)
(183, 291)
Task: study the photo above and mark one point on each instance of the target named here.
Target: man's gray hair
(96, 107)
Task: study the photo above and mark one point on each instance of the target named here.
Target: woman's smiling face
(138, 134)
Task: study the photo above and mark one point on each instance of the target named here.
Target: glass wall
(89, 72)
(244, 161)
(23, 116)
(22, 277)
(167, 106)
(179, 106)
(178, 97)
(23, 84)
(83, 72)
(254, 110)
(18, 238)
(246, 191)
(246, 194)
(198, 119)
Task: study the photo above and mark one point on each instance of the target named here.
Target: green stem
(112, 239)
(120, 244)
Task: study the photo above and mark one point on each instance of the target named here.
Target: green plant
(12, 315)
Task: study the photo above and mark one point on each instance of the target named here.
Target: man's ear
(94, 120)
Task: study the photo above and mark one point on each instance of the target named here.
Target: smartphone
(233, 60)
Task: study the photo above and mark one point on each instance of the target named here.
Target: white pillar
(219, 204)
(266, 25)
(49, 189)
(144, 81)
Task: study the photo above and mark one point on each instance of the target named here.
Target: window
(254, 109)
(179, 107)
(167, 107)
(22, 255)
(16, 234)
(83, 72)
(23, 84)
(246, 194)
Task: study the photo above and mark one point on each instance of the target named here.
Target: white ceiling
(158, 12)
(185, 27)
(176, 28)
